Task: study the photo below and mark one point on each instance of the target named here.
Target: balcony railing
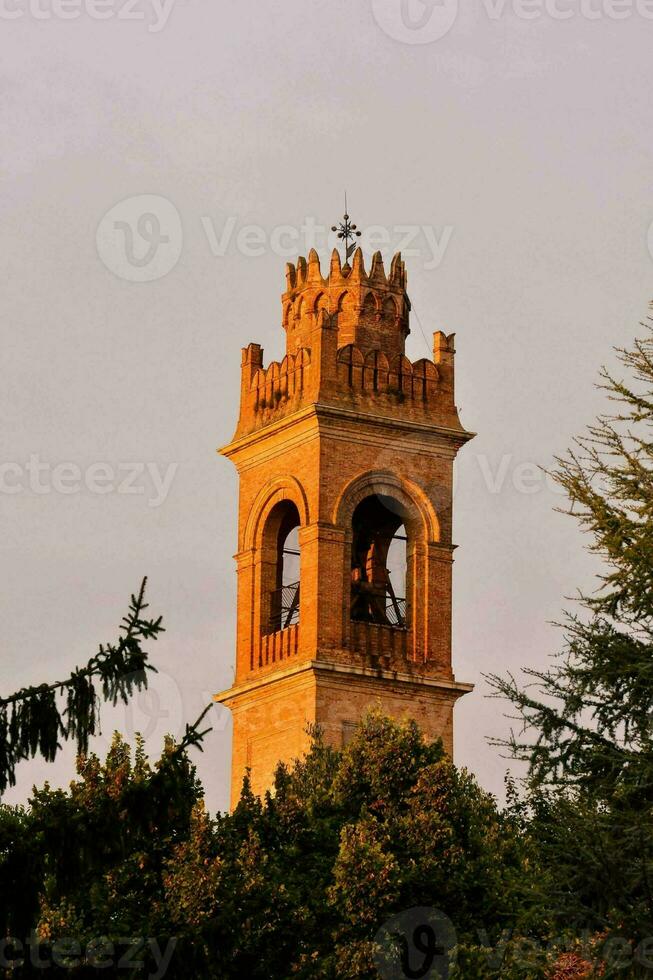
(284, 607)
(392, 614)
(396, 612)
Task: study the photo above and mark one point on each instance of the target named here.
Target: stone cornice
(232, 694)
(333, 416)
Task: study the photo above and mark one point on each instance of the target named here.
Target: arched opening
(282, 540)
(379, 563)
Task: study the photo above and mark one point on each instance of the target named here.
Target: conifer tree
(586, 722)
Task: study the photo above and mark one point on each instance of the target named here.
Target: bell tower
(345, 453)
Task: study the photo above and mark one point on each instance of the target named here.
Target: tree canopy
(296, 884)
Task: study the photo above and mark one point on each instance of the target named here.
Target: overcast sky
(506, 146)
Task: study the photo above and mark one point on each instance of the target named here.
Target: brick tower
(345, 455)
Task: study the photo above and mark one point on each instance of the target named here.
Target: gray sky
(522, 146)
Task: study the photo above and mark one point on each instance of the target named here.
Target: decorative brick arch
(273, 493)
(321, 302)
(420, 517)
(345, 301)
(371, 305)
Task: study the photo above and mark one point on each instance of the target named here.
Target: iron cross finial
(347, 232)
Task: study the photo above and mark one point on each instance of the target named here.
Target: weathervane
(347, 232)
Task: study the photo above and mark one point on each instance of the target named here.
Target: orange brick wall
(270, 727)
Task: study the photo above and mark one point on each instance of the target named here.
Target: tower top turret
(371, 307)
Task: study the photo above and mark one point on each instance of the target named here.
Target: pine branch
(174, 762)
(36, 719)
(192, 736)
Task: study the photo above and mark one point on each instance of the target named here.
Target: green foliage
(35, 719)
(20, 874)
(106, 842)
(192, 873)
(588, 721)
(349, 839)
(295, 885)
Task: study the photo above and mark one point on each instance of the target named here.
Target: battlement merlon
(304, 273)
(444, 354)
(251, 361)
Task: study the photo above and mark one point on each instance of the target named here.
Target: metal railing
(395, 612)
(284, 607)
(384, 611)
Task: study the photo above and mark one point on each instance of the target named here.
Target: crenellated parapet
(346, 347)
(283, 381)
(397, 385)
(373, 372)
(371, 308)
(352, 378)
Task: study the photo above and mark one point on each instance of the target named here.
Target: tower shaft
(345, 454)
